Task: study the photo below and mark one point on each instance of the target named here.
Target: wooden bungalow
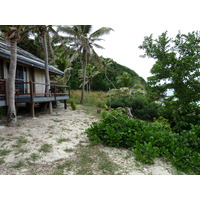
(30, 78)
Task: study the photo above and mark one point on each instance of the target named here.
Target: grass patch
(34, 157)
(64, 165)
(51, 126)
(90, 110)
(21, 151)
(20, 142)
(61, 167)
(68, 150)
(46, 148)
(60, 140)
(4, 152)
(96, 98)
(18, 165)
(91, 160)
(2, 161)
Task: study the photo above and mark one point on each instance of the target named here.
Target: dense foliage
(177, 69)
(141, 106)
(149, 141)
(100, 82)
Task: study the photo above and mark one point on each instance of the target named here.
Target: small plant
(73, 104)
(67, 150)
(18, 165)
(46, 148)
(163, 122)
(19, 142)
(34, 157)
(107, 166)
(64, 165)
(4, 152)
(2, 161)
(51, 127)
(106, 107)
(60, 140)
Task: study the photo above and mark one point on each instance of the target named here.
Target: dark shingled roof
(26, 58)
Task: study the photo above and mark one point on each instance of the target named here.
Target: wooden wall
(39, 76)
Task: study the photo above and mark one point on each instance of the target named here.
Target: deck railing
(29, 89)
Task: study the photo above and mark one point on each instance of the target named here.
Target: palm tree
(81, 39)
(12, 33)
(91, 72)
(126, 80)
(43, 32)
(107, 63)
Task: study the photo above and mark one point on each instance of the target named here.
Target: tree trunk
(83, 85)
(109, 79)
(84, 75)
(47, 79)
(11, 115)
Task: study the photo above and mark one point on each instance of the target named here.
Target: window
(21, 76)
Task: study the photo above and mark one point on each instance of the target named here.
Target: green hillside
(99, 81)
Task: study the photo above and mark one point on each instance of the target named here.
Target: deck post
(32, 100)
(65, 104)
(31, 90)
(50, 108)
(55, 91)
(33, 109)
(50, 104)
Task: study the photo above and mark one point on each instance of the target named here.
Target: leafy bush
(142, 107)
(181, 117)
(73, 104)
(148, 141)
(163, 122)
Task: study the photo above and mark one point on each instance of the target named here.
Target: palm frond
(98, 46)
(69, 30)
(100, 32)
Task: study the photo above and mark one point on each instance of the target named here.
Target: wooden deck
(56, 93)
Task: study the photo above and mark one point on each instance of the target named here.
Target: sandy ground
(20, 147)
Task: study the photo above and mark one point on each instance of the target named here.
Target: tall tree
(91, 72)
(107, 63)
(13, 34)
(43, 33)
(177, 68)
(81, 39)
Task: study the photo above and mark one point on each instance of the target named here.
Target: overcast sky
(142, 18)
(131, 20)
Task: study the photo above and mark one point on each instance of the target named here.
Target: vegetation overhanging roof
(26, 58)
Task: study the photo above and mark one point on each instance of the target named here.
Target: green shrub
(163, 122)
(148, 141)
(145, 152)
(142, 107)
(73, 104)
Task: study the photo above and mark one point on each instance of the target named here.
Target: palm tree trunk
(11, 115)
(83, 84)
(109, 79)
(47, 79)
